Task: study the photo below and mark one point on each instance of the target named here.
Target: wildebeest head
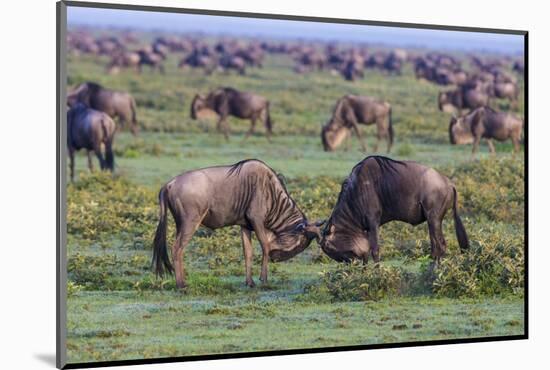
(80, 94)
(343, 244)
(295, 240)
(460, 131)
(198, 104)
(333, 133)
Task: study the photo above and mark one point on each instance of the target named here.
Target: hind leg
(437, 240)
(185, 230)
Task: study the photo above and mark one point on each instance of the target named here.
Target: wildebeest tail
(461, 235)
(390, 130)
(161, 261)
(109, 155)
(268, 121)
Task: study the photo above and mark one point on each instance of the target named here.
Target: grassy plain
(117, 309)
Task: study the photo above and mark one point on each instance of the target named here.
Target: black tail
(135, 127)
(161, 261)
(390, 131)
(461, 235)
(268, 121)
(109, 156)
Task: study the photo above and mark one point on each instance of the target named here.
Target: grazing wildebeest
(152, 59)
(87, 129)
(380, 190)
(114, 103)
(248, 194)
(488, 124)
(462, 98)
(352, 110)
(227, 101)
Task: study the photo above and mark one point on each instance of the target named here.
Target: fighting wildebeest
(88, 129)
(248, 194)
(114, 103)
(462, 98)
(230, 102)
(485, 123)
(380, 190)
(352, 110)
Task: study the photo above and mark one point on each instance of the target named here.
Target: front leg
(261, 233)
(491, 146)
(359, 137)
(372, 236)
(246, 236)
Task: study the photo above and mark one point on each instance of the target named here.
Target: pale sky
(285, 29)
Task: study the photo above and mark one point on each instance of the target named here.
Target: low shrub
(488, 268)
(359, 282)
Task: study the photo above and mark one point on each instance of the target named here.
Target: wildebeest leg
(71, 163)
(99, 155)
(246, 237)
(185, 230)
(372, 237)
(252, 127)
(90, 162)
(223, 127)
(359, 137)
(264, 241)
(515, 141)
(491, 146)
(475, 145)
(437, 240)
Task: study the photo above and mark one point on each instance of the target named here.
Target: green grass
(117, 309)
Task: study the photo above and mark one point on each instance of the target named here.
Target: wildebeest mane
(93, 88)
(353, 199)
(283, 213)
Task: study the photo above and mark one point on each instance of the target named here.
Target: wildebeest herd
(250, 193)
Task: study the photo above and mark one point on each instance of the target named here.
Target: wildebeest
(88, 129)
(507, 90)
(462, 98)
(114, 103)
(248, 194)
(352, 110)
(380, 190)
(227, 101)
(485, 123)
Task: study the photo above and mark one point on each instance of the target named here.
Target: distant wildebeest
(152, 59)
(230, 102)
(115, 103)
(462, 98)
(380, 190)
(488, 124)
(248, 194)
(352, 110)
(507, 90)
(88, 129)
(237, 63)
